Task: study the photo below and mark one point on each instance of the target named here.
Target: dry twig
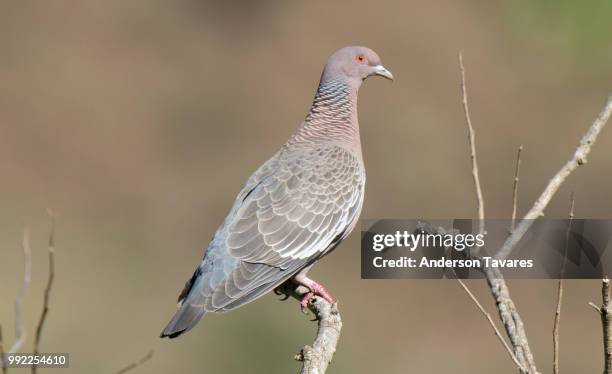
(136, 364)
(579, 158)
(560, 291)
(472, 142)
(317, 357)
(495, 329)
(20, 334)
(517, 170)
(47, 293)
(505, 305)
(605, 312)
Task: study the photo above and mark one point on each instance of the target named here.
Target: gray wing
(290, 212)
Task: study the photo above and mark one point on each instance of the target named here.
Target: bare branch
(20, 334)
(606, 322)
(472, 141)
(136, 364)
(560, 291)
(495, 329)
(517, 170)
(47, 293)
(579, 158)
(317, 357)
(505, 305)
(605, 312)
(511, 319)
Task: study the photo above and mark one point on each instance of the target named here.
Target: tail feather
(191, 309)
(184, 319)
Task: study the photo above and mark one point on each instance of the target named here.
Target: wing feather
(289, 213)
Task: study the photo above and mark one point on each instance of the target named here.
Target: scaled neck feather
(332, 117)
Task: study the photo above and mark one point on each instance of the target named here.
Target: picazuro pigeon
(296, 208)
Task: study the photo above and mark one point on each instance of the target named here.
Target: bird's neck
(333, 115)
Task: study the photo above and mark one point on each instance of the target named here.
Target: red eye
(360, 58)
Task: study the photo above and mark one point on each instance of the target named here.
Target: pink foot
(305, 300)
(315, 290)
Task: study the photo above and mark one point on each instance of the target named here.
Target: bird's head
(354, 63)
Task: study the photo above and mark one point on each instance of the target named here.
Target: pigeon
(296, 208)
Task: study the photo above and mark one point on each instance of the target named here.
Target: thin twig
(605, 312)
(579, 158)
(597, 309)
(2, 365)
(517, 170)
(136, 364)
(47, 293)
(505, 305)
(317, 357)
(560, 290)
(20, 333)
(495, 329)
(472, 141)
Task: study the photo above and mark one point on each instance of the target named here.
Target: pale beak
(383, 72)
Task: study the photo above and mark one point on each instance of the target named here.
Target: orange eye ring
(360, 58)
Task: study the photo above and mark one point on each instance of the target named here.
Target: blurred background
(137, 123)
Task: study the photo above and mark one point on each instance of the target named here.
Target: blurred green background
(137, 122)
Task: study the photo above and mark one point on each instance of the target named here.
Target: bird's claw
(315, 289)
(304, 302)
(281, 293)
